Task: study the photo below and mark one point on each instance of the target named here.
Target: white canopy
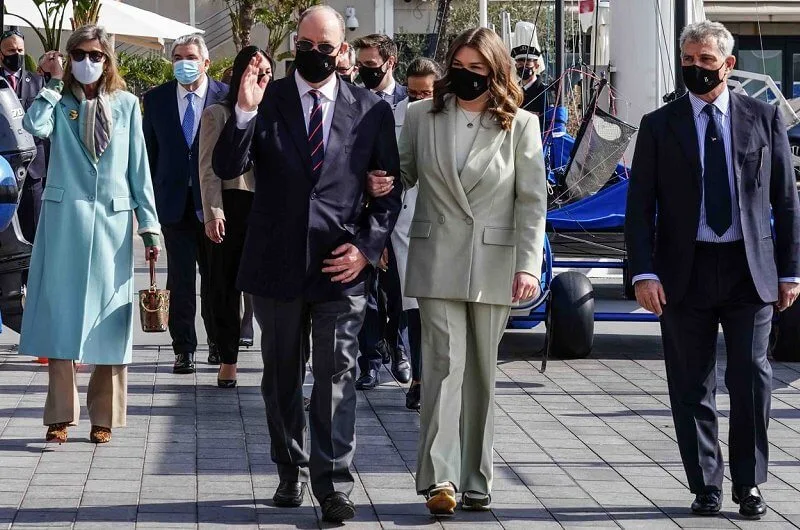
(129, 24)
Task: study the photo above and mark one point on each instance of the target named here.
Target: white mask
(87, 72)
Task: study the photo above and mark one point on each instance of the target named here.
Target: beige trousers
(459, 358)
(106, 397)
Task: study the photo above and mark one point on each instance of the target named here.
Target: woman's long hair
(505, 95)
(240, 64)
(110, 81)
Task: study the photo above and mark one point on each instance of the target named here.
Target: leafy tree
(242, 14)
(85, 12)
(219, 66)
(280, 18)
(52, 14)
(143, 72)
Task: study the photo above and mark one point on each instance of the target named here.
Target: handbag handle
(152, 255)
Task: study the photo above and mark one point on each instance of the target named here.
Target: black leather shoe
(184, 363)
(751, 503)
(413, 396)
(385, 350)
(246, 343)
(213, 355)
(708, 503)
(368, 380)
(400, 367)
(289, 494)
(337, 507)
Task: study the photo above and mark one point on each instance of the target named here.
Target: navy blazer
(297, 221)
(666, 178)
(172, 162)
(27, 89)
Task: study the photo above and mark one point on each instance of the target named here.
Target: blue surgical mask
(186, 72)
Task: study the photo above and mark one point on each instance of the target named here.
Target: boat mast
(559, 34)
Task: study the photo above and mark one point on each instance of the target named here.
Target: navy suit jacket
(297, 221)
(665, 190)
(27, 89)
(400, 93)
(172, 162)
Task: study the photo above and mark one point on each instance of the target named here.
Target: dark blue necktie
(315, 137)
(716, 188)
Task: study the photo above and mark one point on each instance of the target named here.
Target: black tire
(786, 336)
(570, 332)
(627, 284)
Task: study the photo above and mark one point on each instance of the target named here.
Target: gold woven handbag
(154, 304)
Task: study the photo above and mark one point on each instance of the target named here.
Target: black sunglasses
(80, 55)
(11, 33)
(307, 46)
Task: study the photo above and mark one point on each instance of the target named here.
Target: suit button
(314, 196)
(92, 172)
(405, 207)
(441, 219)
(468, 221)
(90, 197)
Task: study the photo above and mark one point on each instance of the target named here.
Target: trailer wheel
(785, 338)
(570, 318)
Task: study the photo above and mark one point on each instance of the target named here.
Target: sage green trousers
(459, 358)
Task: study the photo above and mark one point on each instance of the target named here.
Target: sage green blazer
(472, 232)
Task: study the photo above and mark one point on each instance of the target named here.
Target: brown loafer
(441, 499)
(100, 435)
(57, 433)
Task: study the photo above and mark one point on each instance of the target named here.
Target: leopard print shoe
(56, 433)
(100, 435)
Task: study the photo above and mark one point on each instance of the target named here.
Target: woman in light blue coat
(80, 299)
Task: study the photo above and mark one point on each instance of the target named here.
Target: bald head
(321, 23)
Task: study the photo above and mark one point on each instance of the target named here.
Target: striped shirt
(723, 118)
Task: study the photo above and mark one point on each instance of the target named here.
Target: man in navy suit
(171, 121)
(711, 171)
(376, 57)
(27, 86)
(311, 247)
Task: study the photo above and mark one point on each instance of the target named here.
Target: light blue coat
(80, 299)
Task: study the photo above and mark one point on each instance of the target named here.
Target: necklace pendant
(469, 126)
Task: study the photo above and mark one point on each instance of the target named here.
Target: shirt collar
(200, 92)
(328, 90)
(723, 103)
(390, 88)
(17, 74)
(530, 83)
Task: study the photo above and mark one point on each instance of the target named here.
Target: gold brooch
(73, 114)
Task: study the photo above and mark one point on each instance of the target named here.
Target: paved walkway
(588, 444)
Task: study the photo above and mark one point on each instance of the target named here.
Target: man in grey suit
(716, 167)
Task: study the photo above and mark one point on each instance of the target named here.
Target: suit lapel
(174, 114)
(72, 113)
(344, 114)
(685, 130)
(444, 140)
(487, 143)
(741, 129)
(291, 110)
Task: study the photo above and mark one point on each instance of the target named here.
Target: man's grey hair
(188, 40)
(326, 8)
(705, 31)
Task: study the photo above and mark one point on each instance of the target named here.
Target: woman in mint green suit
(80, 299)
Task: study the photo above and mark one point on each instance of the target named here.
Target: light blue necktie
(188, 120)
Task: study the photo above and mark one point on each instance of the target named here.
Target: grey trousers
(459, 352)
(106, 397)
(284, 348)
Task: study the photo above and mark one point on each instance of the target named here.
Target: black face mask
(467, 85)
(524, 72)
(371, 76)
(14, 62)
(701, 80)
(314, 66)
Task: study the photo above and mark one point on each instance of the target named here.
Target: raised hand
(52, 65)
(251, 91)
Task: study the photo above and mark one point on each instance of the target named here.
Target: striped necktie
(716, 189)
(315, 136)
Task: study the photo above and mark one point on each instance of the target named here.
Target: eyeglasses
(307, 46)
(421, 94)
(94, 55)
(11, 33)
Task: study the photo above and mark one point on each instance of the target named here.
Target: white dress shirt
(328, 93)
(389, 90)
(704, 232)
(199, 101)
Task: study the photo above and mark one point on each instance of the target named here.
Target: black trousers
(185, 242)
(30, 206)
(721, 292)
(284, 348)
(223, 267)
(383, 317)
